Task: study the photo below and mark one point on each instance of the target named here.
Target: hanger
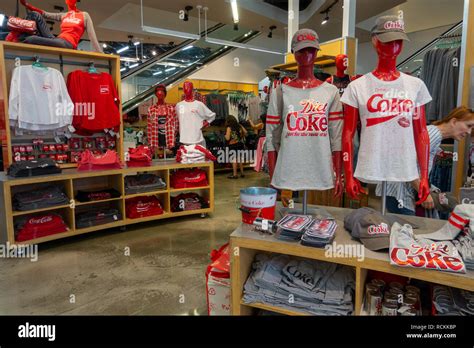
(92, 69)
(38, 64)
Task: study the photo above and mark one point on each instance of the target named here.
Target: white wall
(367, 57)
(252, 64)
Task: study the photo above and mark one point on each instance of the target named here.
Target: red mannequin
(73, 25)
(305, 79)
(188, 89)
(342, 62)
(386, 71)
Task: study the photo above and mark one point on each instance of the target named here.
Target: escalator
(178, 63)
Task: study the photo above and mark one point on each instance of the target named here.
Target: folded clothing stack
(140, 207)
(139, 157)
(142, 183)
(464, 243)
(194, 154)
(46, 197)
(23, 169)
(92, 196)
(107, 161)
(452, 301)
(38, 226)
(188, 201)
(315, 287)
(319, 233)
(292, 227)
(97, 217)
(189, 178)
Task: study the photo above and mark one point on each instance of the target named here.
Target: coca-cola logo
(104, 89)
(22, 22)
(306, 123)
(378, 229)
(398, 25)
(381, 104)
(39, 221)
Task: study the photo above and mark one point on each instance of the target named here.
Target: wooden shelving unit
(246, 243)
(73, 180)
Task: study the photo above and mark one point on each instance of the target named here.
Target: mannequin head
(188, 89)
(306, 56)
(342, 62)
(71, 5)
(160, 93)
(387, 50)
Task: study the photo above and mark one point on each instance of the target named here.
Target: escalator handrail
(142, 97)
(168, 53)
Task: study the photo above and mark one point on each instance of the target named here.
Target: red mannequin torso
(386, 70)
(305, 79)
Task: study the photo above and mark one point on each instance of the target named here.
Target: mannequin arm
(351, 116)
(422, 143)
(337, 165)
(31, 7)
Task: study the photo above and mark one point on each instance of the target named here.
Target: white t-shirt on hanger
(191, 120)
(387, 146)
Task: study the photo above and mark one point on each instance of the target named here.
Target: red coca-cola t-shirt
(96, 102)
(72, 27)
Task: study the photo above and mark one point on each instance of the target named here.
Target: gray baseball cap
(371, 227)
(304, 38)
(389, 28)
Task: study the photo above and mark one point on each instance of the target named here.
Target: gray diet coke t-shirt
(305, 127)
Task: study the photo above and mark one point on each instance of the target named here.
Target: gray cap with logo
(304, 38)
(389, 28)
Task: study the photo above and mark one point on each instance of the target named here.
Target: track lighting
(270, 34)
(186, 13)
(326, 12)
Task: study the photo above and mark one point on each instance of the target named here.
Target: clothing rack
(61, 62)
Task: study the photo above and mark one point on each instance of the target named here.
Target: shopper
(402, 197)
(235, 137)
(259, 127)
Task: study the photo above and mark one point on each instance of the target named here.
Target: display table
(72, 180)
(246, 243)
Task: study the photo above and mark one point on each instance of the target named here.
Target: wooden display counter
(72, 180)
(246, 243)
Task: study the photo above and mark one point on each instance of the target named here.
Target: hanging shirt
(166, 112)
(39, 99)
(191, 117)
(73, 26)
(96, 102)
(305, 127)
(387, 146)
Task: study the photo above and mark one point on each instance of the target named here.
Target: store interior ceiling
(108, 16)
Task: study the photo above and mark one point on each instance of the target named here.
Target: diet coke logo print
(433, 256)
(378, 229)
(397, 25)
(311, 120)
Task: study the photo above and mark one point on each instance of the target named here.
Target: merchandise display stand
(64, 60)
(246, 243)
(72, 180)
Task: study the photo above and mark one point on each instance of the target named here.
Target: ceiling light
(170, 69)
(325, 20)
(158, 73)
(123, 49)
(2, 19)
(326, 12)
(154, 53)
(136, 43)
(188, 47)
(123, 69)
(104, 45)
(270, 35)
(241, 45)
(235, 10)
(186, 13)
(173, 33)
(145, 57)
(134, 65)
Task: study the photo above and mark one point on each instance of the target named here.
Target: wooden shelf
(147, 219)
(191, 212)
(190, 189)
(31, 212)
(146, 194)
(69, 233)
(117, 223)
(275, 309)
(80, 204)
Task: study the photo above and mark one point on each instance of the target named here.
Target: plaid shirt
(171, 125)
